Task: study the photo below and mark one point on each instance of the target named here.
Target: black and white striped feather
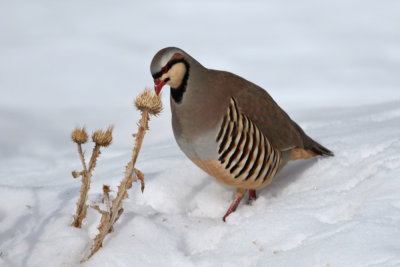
(244, 150)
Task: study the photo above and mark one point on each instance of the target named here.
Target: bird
(228, 126)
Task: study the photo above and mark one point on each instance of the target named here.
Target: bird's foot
(252, 196)
(233, 206)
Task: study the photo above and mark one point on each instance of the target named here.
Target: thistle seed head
(106, 188)
(149, 101)
(103, 138)
(79, 135)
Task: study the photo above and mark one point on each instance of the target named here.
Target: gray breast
(195, 137)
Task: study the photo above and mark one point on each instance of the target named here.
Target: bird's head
(170, 66)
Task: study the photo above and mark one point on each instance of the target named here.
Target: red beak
(158, 85)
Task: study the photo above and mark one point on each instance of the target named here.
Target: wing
(274, 123)
(259, 107)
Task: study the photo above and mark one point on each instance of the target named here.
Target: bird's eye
(164, 69)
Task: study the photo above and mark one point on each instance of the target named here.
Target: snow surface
(333, 65)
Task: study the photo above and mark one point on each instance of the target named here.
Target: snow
(333, 66)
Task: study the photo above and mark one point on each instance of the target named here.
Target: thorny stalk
(147, 103)
(100, 138)
(82, 157)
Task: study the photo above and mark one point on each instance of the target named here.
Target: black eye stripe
(169, 66)
(157, 75)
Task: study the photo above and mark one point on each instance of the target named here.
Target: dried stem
(81, 205)
(106, 190)
(79, 137)
(81, 208)
(147, 103)
(93, 160)
(143, 127)
(82, 157)
(140, 175)
(110, 217)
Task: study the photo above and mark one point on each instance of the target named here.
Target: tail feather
(311, 145)
(311, 149)
(320, 149)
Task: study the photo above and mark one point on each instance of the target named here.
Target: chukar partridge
(229, 127)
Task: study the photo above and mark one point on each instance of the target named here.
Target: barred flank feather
(243, 149)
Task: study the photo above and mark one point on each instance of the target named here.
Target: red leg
(233, 206)
(252, 195)
(238, 197)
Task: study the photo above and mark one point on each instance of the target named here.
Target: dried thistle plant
(147, 103)
(79, 136)
(103, 138)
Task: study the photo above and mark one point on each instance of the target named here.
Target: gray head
(171, 66)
